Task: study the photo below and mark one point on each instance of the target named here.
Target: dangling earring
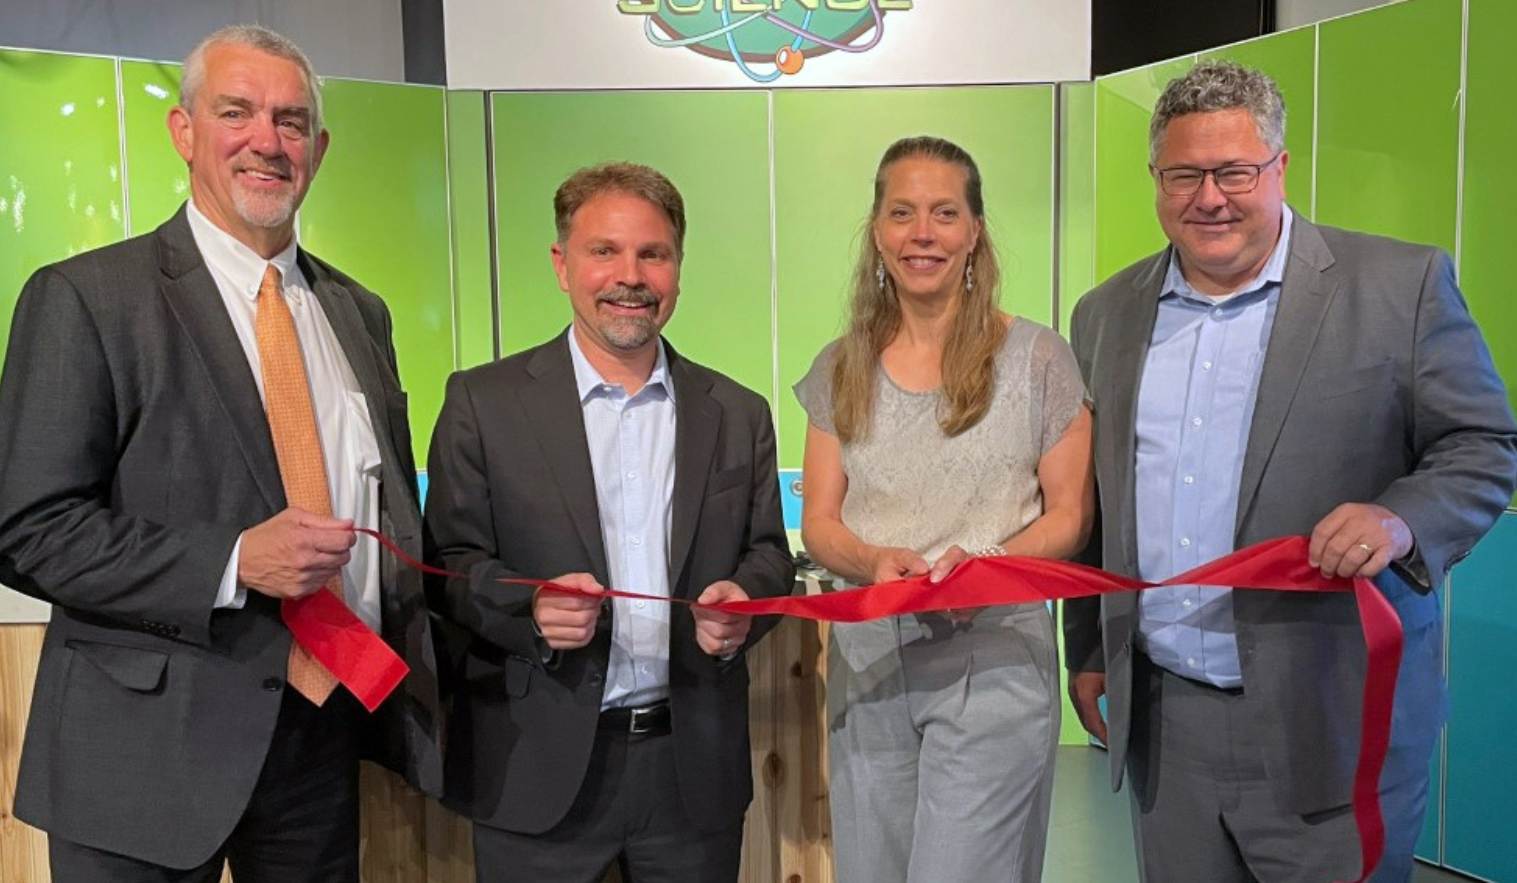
(968, 277)
(879, 272)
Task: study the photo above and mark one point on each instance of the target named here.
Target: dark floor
(1090, 835)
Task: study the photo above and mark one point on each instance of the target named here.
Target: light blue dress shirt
(632, 455)
(1195, 406)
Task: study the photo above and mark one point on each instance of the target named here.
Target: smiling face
(925, 229)
(250, 145)
(620, 266)
(1224, 239)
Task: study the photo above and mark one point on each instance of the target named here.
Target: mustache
(624, 294)
(279, 167)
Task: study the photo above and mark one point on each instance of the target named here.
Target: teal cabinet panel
(378, 210)
(1480, 777)
(1126, 227)
(60, 164)
(713, 146)
(469, 201)
(1490, 180)
(157, 179)
(1388, 121)
(1291, 59)
(822, 200)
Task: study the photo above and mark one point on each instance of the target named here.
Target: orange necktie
(297, 446)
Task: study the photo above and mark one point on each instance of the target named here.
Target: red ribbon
(358, 658)
(1279, 565)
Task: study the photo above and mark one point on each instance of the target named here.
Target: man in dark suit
(1264, 377)
(587, 733)
(145, 495)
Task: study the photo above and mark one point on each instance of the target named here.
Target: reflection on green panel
(1077, 196)
(822, 198)
(713, 146)
(469, 195)
(379, 212)
(1290, 58)
(1490, 192)
(60, 164)
(157, 180)
(1388, 136)
(1126, 228)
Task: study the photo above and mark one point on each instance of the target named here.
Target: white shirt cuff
(229, 595)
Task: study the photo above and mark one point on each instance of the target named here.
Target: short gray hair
(253, 37)
(1221, 85)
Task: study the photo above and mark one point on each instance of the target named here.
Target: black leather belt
(644, 720)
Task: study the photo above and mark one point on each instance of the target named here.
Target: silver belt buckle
(635, 719)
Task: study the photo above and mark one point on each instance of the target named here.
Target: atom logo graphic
(766, 39)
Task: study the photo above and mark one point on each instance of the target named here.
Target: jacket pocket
(135, 668)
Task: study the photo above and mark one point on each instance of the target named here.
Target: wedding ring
(726, 642)
(1368, 549)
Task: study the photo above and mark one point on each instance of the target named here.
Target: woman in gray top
(941, 428)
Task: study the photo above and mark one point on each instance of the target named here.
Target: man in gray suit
(1262, 377)
(142, 495)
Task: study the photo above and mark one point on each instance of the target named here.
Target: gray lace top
(909, 485)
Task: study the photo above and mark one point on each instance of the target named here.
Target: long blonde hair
(874, 314)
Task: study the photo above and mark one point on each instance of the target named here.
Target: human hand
(565, 621)
(890, 563)
(952, 557)
(294, 554)
(717, 632)
(1358, 539)
(1085, 691)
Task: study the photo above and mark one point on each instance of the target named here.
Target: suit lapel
(552, 397)
(1304, 298)
(192, 296)
(1132, 324)
(697, 422)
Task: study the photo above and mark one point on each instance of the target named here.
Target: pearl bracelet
(993, 550)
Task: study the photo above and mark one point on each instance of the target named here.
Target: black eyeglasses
(1234, 178)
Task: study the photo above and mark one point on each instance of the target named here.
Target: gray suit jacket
(133, 452)
(1376, 387)
(512, 494)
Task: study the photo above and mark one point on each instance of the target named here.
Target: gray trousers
(1204, 810)
(942, 745)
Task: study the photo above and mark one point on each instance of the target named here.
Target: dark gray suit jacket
(1376, 387)
(512, 493)
(133, 452)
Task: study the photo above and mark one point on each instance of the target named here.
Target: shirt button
(1185, 541)
(642, 604)
(1206, 366)
(632, 476)
(1195, 421)
(1191, 662)
(1186, 603)
(636, 541)
(1190, 479)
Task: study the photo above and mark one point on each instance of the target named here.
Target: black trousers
(301, 825)
(628, 811)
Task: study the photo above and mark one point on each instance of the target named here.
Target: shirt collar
(1273, 270)
(590, 383)
(238, 263)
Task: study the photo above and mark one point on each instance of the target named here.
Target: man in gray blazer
(141, 494)
(1262, 377)
(589, 733)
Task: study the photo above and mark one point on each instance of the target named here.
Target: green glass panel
(1388, 130)
(157, 180)
(1126, 228)
(379, 212)
(1077, 195)
(60, 164)
(1490, 180)
(469, 189)
(1290, 58)
(822, 199)
(713, 146)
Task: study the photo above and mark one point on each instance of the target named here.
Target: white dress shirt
(348, 444)
(632, 455)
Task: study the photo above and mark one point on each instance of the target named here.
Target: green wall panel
(1077, 195)
(157, 180)
(821, 201)
(713, 146)
(469, 202)
(379, 211)
(1491, 179)
(60, 164)
(1388, 130)
(1126, 228)
(1290, 58)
